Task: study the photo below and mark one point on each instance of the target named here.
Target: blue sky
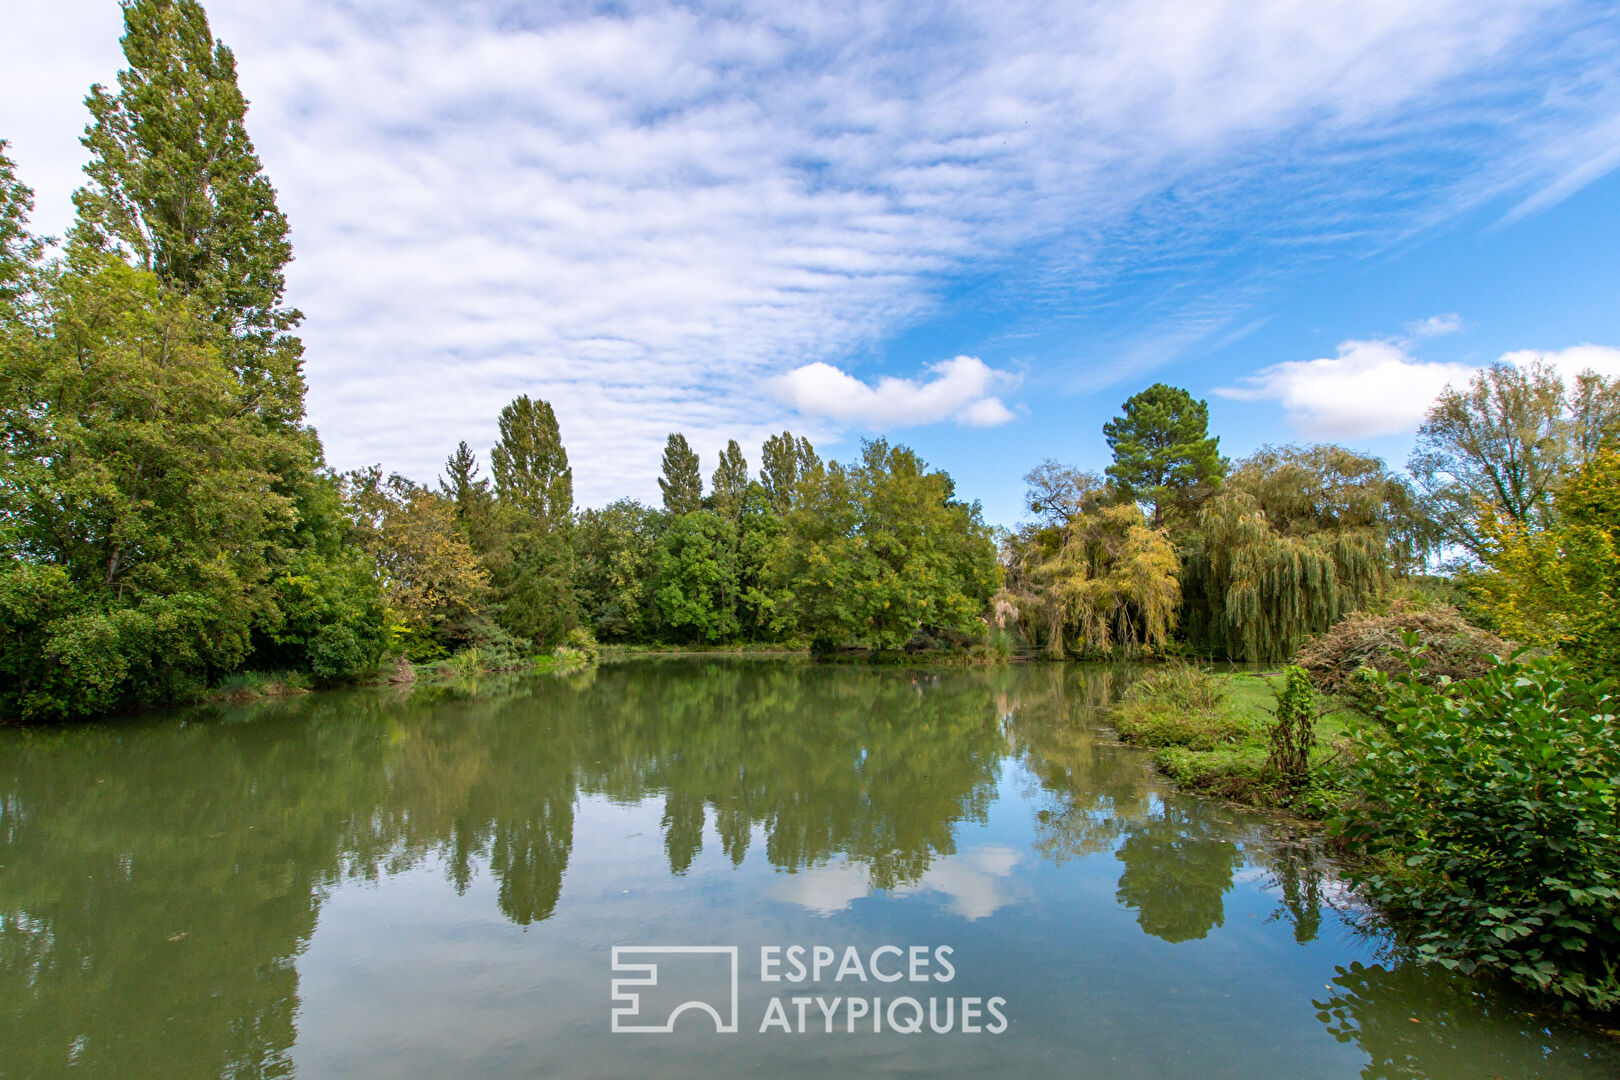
(972, 228)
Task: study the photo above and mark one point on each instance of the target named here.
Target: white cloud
(1435, 325)
(1572, 361)
(1374, 388)
(1370, 388)
(975, 882)
(649, 214)
(961, 389)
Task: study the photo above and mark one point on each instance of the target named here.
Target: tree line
(1512, 491)
(167, 515)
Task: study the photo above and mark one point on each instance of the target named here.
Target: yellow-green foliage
(1105, 578)
(1298, 538)
(1560, 586)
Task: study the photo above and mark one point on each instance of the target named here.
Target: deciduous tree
(730, 481)
(174, 182)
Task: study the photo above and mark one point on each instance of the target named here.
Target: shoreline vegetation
(170, 527)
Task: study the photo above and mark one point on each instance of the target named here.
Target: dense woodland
(168, 519)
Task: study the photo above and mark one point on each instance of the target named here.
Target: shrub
(1366, 643)
(581, 640)
(1179, 705)
(1294, 732)
(1180, 685)
(1489, 810)
(497, 648)
(469, 663)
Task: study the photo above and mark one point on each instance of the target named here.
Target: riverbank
(1477, 816)
(1209, 732)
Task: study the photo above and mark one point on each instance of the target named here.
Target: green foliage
(468, 663)
(476, 512)
(582, 641)
(532, 477)
(330, 617)
(682, 481)
(19, 251)
(1294, 732)
(875, 552)
(1502, 445)
(129, 466)
(1491, 811)
(432, 579)
(174, 181)
(1298, 538)
(1178, 704)
(695, 575)
(614, 550)
(1213, 733)
(1164, 456)
(534, 591)
(1559, 586)
(730, 481)
(785, 460)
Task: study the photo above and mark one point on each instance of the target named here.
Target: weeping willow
(1105, 581)
(1297, 539)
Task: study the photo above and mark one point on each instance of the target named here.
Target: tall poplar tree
(682, 482)
(785, 460)
(531, 468)
(19, 250)
(534, 492)
(175, 184)
(730, 481)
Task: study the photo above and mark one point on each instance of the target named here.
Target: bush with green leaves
(1294, 733)
(1489, 813)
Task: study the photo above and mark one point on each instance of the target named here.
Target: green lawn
(1208, 733)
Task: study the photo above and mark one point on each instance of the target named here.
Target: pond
(863, 871)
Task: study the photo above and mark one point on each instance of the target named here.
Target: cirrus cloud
(650, 213)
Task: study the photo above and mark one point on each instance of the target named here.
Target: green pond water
(432, 883)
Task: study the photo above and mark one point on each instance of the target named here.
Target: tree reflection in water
(1417, 1022)
(159, 879)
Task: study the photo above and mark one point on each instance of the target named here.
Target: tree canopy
(682, 482)
(175, 182)
(1164, 456)
(1501, 446)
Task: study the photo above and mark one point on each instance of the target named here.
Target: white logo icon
(627, 996)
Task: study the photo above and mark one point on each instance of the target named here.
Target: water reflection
(159, 881)
(1178, 867)
(1414, 1023)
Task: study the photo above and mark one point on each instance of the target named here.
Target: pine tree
(730, 481)
(1164, 456)
(682, 482)
(531, 466)
(176, 185)
(474, 502)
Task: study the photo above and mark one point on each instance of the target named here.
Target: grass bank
(1210, 732)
